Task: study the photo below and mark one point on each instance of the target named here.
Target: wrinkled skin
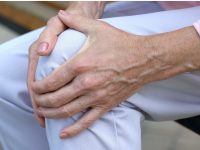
(106, 72)
(47, 39)
(99, 77)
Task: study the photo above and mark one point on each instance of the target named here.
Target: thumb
(77, 22)
(49, 36)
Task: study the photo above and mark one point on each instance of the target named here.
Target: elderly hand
(110, 67)
(47, 39)
(99, 77)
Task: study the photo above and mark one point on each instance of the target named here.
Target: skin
(106, 72)
(48, 38)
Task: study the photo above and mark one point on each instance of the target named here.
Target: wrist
(175, 52)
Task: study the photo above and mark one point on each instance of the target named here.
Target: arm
(180, 49)
(111, 66)
(170, 54)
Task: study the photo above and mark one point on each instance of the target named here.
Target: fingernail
(43, 46)
(63, 135)
(62, 12)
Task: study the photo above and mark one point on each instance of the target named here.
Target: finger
(68, 110)
(49, 36)
(57, 79)
(79, 86)
(33, 60)
(86, 121)
(59, 97)
(40, 119)
(76, 22)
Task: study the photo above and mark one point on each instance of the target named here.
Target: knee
(68, 44)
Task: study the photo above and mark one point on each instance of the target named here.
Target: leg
(120, 128)
(13, 106)
(18, 128)
(20, 131)
(17, 124)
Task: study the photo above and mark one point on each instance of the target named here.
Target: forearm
(182, 47)
(169, 54)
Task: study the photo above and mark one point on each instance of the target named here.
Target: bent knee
(68, 44)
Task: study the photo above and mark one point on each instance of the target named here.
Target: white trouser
(120, 128)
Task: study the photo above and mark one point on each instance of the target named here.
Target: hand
(47, 40)
(98, 77)
(111, 66)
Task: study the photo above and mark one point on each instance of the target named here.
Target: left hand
(111, 66)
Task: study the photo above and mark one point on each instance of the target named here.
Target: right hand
(44, 45)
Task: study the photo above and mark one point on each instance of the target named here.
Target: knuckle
(37, 100)
(105, 107)
(50, 83)
(81, 104)
(34, 87)
(72, 133)
(52, 20)
(51, 101)
(99, 95)
(85, 124)
(95, 98)
(81, 65)
(85, 82)
(66, 112)
(77, 67)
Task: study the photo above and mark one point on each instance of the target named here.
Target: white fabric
(120, 128)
